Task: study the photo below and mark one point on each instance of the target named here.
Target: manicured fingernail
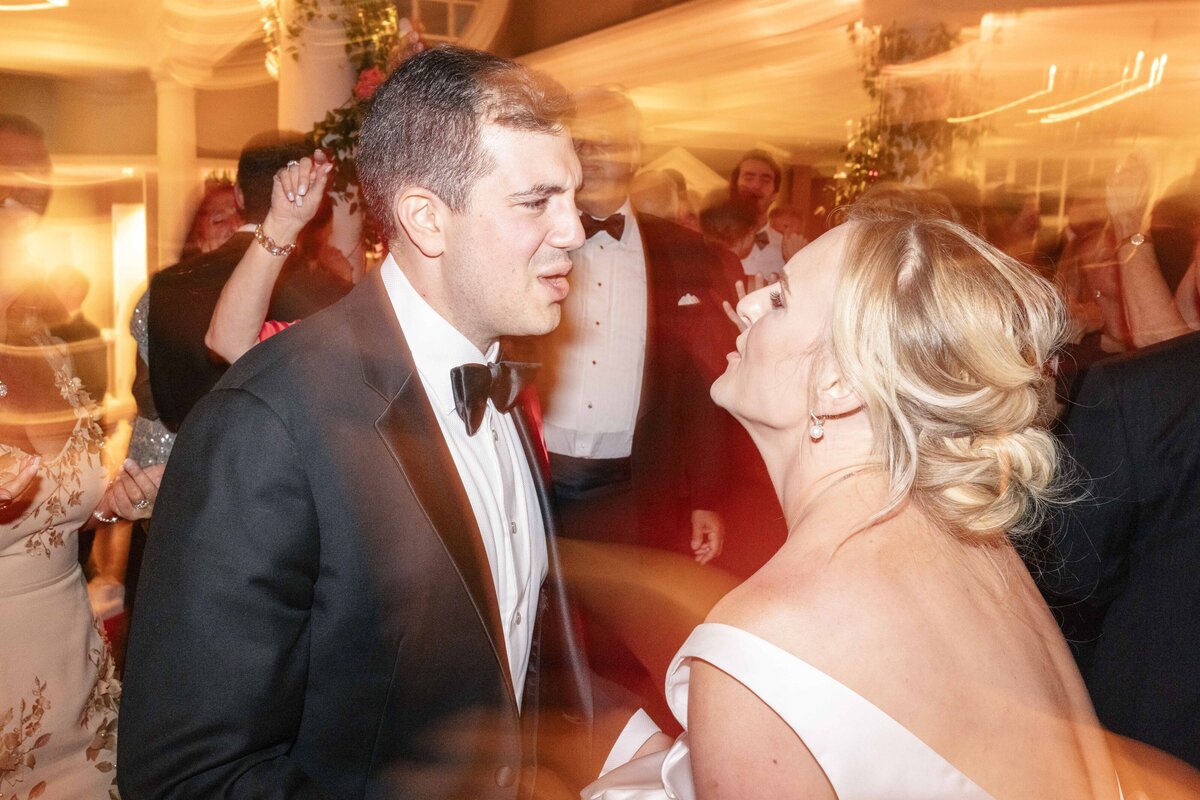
(303, 189)
(291, 197)
(328, 167)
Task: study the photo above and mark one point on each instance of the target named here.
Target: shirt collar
(437, 346)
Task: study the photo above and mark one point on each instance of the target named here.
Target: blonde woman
(895, 384)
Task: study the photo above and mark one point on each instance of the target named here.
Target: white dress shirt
(594, 381)
(765, 260)
(491, 464)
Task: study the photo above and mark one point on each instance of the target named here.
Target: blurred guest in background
(1127, 555)
(637, 449)
(966, 199)
(732, 225)
(182, 297)
(625, 376)
(758, 178)
(89, 352)
(1011, 222)
(216, 220)
(239, 320)
(58, 685)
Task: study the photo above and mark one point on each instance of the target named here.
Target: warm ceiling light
(6, 6)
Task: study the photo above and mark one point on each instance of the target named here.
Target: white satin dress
(865, 753)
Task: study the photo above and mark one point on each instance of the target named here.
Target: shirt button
(495, 436)
(589, 405)
(597, 323)
(505, 777)
(512, 527)
(517, 619)
(593, 362)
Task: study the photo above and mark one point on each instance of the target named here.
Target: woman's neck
(803, 471)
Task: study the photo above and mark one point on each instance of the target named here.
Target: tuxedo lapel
(577, 688)
(411, 433)
(660, 280)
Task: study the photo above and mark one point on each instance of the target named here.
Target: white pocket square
(689, 299)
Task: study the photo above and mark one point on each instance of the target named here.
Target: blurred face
(505, 264)
(219, 220)
(756, 182)
(23, 160)
(606, 142)
(767, 380)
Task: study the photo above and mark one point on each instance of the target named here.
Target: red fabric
(272, 327)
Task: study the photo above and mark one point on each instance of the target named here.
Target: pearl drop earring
(817, 431)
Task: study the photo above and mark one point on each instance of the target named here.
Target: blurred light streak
(128, 278)
(1005, 107)
(49, 4)
(1125, 79)
(1156, 72)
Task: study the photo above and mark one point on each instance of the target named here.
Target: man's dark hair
(729, 222)
(16, 123)
(756, 155)
(33, 197)
(424, 124)
(263, 156)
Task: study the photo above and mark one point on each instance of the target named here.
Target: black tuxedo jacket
(182, 300)
(1130, 552)
(316, 616)
(680, 456)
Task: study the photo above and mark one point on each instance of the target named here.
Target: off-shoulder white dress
(865, 753)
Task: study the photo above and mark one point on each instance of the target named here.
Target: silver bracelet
(270, 245)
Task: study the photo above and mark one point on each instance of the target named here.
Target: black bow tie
(761, 240)
(475, 384)
(614, 225)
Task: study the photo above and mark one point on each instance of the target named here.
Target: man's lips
(556, 281)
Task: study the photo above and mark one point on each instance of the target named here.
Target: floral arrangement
(906, 137)
(376, 43)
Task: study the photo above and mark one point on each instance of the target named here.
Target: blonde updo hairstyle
(948, 343)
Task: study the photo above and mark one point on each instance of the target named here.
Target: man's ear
(239, 199)
(423, 216)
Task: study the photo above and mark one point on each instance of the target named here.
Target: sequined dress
(150, 442)
(58, 690)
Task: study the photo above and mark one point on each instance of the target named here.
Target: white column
(178, 177)
(317, 80)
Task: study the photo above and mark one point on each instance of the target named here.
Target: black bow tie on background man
(761, 240)
(614, 225)
(475, 384)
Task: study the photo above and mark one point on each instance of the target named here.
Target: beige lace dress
(58, 691)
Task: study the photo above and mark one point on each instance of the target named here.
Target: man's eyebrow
(537, 190)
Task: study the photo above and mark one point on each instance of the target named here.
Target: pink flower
(368, 82)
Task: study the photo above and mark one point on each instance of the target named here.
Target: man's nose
(568, 230)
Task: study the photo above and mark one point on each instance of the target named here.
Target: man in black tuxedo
(352, 590)
(636, 445)
(1128, 554)
(182, 297)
